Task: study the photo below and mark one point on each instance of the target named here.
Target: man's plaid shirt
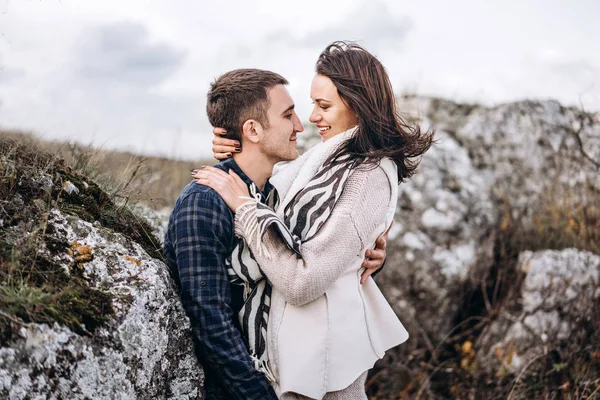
(199, 239)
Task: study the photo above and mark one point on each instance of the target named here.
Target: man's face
(279, 141)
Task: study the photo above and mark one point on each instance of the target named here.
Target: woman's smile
(323, 129)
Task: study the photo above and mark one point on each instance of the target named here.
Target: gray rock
(514, 156)
(158, 219)
(556, 297)
(145, 352)
(517, 156)
(70, 188)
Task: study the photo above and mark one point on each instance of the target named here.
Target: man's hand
(375, 258)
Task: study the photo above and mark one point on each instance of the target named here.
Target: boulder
(89, 309)
(491, 166)
(557, 303)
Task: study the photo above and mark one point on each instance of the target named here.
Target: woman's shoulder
(373, 186)
(368, 182)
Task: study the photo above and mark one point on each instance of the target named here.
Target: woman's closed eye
(321, 106)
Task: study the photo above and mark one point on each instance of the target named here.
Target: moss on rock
(35, 285)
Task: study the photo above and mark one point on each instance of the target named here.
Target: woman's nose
(314, 117)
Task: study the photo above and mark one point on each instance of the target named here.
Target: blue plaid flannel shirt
(200, 238)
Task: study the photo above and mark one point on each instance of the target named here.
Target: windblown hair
(238, 96)
(364, 86)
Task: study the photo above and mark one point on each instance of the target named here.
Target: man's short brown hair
(238, 96)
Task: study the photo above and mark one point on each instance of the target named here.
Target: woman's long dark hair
(363, 84)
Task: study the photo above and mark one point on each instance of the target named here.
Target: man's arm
(203, 231)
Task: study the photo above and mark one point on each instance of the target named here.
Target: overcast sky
(133, 74)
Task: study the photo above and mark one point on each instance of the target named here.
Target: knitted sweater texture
(359, 211)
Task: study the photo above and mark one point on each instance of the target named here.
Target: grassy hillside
(128, 177)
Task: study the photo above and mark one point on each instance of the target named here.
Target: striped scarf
(302, 218)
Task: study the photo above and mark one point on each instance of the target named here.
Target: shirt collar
(229, 163)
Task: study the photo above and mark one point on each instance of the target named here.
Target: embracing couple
(274, 266)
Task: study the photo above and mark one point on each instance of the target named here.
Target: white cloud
(9, 73)
(135, 74)
(122, 53)
(372, 24)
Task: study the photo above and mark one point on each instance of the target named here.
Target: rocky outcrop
(559, 295)
(499, 183)
(520, 163)
(485, 160)
(130, 339)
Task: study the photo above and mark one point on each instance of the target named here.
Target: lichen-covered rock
(558, 296)
(499, 180)
(532, 149)
(489, 166)
(144, 352)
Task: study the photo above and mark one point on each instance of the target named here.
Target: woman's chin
(325, 138)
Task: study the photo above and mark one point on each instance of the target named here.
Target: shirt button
(202, 283)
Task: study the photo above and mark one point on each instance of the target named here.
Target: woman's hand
(374, 259)
(224, 148)
(230, 186)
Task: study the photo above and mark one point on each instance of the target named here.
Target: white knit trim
(250, 229)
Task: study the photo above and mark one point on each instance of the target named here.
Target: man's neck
(258, 167)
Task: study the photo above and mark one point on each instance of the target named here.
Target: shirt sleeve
(202, 234)
(302, 273)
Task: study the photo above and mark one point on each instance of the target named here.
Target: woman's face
(330, 114)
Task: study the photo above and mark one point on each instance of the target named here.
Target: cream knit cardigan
(325, 329)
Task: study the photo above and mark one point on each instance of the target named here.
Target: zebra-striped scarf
(302, 218)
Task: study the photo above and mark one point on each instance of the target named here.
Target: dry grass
(155, 181)
(565, 217)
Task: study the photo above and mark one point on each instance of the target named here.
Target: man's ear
(252, 131)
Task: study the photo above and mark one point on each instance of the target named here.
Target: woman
(335, 200)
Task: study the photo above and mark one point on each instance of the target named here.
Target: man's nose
(298, 127)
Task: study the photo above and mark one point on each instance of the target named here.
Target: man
(256, 109)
